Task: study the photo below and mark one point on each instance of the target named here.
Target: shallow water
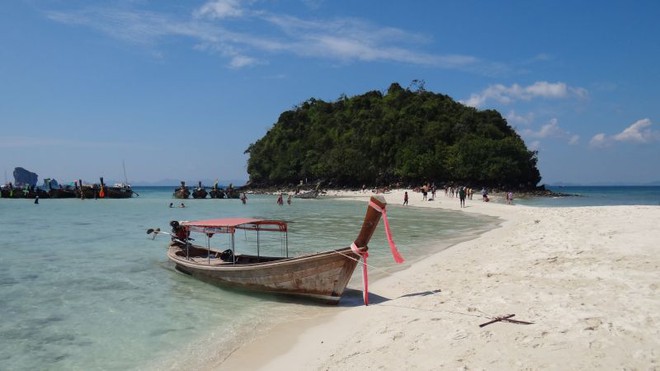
(82, 286)
(598, 196)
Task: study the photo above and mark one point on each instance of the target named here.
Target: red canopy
(230, 225)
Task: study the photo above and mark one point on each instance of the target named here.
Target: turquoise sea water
(83, 287)
(598, 196)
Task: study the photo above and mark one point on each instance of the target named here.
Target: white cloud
(598, 140)
(509, 94)
(551, 130)
(639, 132)
(515, 118)
(344, 39)
(220, 9)
(240, 61)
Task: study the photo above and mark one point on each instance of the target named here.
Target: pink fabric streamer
(395, 253)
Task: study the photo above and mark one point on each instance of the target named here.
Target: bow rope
(364, 254)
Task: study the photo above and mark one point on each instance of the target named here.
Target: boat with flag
(322, 275)
(102, 190)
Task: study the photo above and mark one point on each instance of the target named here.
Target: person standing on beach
(405, 198)
(461, 196)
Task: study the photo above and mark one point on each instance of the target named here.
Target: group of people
(280, 199)
(463, 193)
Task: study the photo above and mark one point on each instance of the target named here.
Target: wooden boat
(313, 193)
(231, 192)
(10, 191)
(62, 192)
(321, 276)
(199, 192)
(309, 194)
(119, 190)
(216, 192)
(182, 192)
(56, 190)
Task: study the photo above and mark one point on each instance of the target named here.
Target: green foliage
(402, 136)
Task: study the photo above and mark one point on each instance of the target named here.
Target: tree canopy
(402, 136)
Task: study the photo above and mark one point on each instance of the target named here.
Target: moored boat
(56, 190)
(101, 190)
(119, 190)
(309, 194)
(26, 191)
(182, 192)
(323, 275)
(199, 192)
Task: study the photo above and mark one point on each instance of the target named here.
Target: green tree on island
(403, 136)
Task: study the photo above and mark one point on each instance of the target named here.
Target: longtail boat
(56, 190)
(102, 190)
(118, 190)
(182, 192)
(199, 192)
(323, 275)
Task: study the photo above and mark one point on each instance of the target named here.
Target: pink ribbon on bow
(395, 253)
(364, 254)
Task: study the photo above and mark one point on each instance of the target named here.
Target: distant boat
(56, 190)
(182, 192)
(309, 194)
(10, 191)
(101, 190)
(199, 192)
(321, 276)
(216, 192)
(314, 193)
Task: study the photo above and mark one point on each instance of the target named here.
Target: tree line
(403, 136)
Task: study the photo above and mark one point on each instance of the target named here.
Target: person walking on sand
(461, 196)
(405, 198)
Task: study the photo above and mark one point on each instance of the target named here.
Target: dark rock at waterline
(23, 177)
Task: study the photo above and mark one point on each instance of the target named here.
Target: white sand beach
(588, 278)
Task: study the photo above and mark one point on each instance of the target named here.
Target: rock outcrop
(23, 177)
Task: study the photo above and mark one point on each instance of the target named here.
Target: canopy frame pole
(258, 246)
(233, 249)
(208, 247)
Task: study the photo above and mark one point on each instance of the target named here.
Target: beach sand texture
(588, 278)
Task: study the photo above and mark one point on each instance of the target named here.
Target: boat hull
(321, 276)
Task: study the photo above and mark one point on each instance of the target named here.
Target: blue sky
(179, 89)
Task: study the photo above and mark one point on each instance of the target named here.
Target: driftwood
(506, 318)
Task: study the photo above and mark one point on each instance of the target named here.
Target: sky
(152, 90)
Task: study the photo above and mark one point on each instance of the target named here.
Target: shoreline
(571, 271)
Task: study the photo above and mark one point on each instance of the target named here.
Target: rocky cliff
(23, 177)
